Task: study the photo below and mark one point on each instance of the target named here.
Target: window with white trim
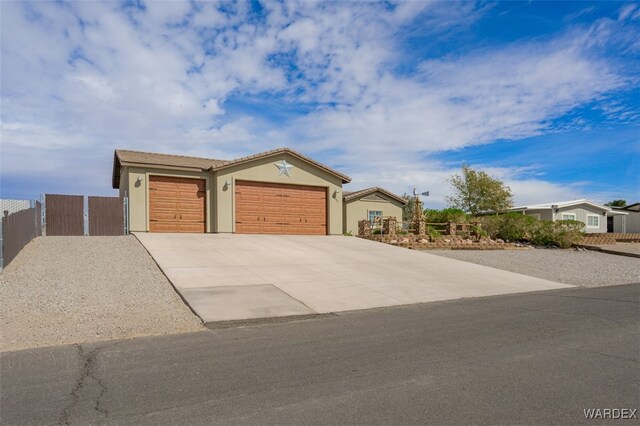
(373, 214)
(593, 221)
(568, 216)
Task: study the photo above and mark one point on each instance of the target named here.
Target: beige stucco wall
(265, 170)
(139, 194)
(124, 182)
(357, 210)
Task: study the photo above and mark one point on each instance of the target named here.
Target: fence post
(364, 228)
(4, 233)
(389, 226)
(125, 206)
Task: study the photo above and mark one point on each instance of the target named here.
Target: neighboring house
(368, 204)
(274, 192)
(625, 224)
(593, 215)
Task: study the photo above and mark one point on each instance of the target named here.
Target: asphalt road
(538, 358)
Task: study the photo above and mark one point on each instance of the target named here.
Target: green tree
(407, 209)
(477, 192)
(616, 203)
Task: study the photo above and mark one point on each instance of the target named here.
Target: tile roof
(353, 195)
(138, 158)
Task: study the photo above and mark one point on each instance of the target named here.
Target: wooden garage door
(270, 208)
(176, 204)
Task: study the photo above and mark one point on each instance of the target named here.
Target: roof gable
(357, 195)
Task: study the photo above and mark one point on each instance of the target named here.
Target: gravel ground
(583, 268)
(62, 290)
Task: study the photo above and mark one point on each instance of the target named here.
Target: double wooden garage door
(269, 208)
(176, 204)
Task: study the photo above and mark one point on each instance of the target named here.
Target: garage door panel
(191, 217)
(191, 227)
(248, 198)
(176, 204)
(248, 218)
(316, 221)
(248, 228)
(270, 219)
(285, 209)
(307, 230)
(162, 216)
(163, 205)
(293, 210)
(163, 227)
(268, 228)
(188, 205)
(190, 195)
(273, 209)
(165, 194)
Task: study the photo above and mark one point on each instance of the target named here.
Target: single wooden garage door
(176, 204)
(271, 208)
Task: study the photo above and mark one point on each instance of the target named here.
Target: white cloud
(88, 77)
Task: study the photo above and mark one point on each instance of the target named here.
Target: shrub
(376, 232)
(562, 233)
(348, 234)
(432, 233)
(445, 215)
(477, 230)
(509, 227)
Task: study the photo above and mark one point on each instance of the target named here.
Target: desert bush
(509, 227)
(433, 234)
(477, 230)
(562, 233)
(445, 215)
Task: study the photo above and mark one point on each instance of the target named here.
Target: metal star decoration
(283, 168)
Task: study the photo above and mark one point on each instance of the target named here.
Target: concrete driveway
(235, 277)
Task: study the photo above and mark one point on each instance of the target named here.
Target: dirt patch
(62, 290)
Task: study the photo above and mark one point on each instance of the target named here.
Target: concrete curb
(608, 251)
(267, 320)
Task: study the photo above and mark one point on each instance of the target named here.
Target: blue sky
(543, 95)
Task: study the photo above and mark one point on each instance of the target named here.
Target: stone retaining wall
(454, 242)
(609, 238)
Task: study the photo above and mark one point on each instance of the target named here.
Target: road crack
(87, 376)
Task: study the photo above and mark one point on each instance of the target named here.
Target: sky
(542, 95)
